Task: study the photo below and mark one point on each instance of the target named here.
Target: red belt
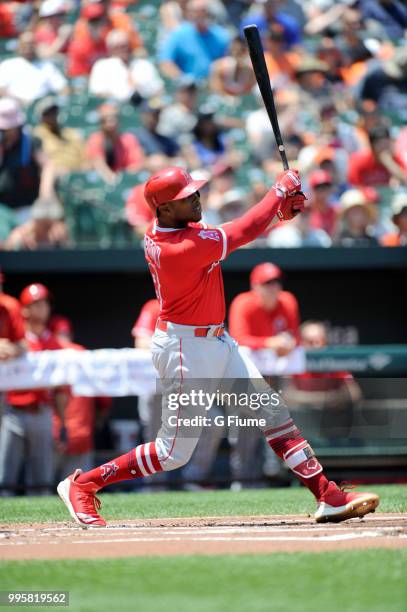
(199, 332)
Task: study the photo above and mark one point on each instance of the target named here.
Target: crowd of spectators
(165, 83)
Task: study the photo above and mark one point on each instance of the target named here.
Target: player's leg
(177, 360)
(12, 448)
(288, 443)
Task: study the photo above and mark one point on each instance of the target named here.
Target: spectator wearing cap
(52, 34)
(323, 213)
(208, 145)
(386, 84)
(156, 146)
(26, 428)
(390, 14)
(26, 76)
(25, 171)
(194, 45)
(177, 120)
(119, 76)
(109, 150)
(63, 146)
(358, 215)
(399, 218)
(377, 164)
(272, 15)
(311, 76)
(233, 74)
(88, 42)
(45, 230)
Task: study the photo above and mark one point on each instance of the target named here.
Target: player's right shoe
(337, 505)
(81, 501)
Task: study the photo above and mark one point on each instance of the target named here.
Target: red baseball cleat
(337, 505)
(81, 501)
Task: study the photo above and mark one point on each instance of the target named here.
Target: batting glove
(291, 206)
(287, 183)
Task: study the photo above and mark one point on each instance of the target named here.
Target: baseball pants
(184, 363)
(26, 440)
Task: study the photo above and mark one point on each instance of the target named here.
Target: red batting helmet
(34, 293)
(263, 273)
(171, 184)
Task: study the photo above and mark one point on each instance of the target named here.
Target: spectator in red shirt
(323, 214)
(111, 151)
(399, 218)
(88, 45)
(89, 38)
(138, 213)
(266, 316)
(12, 342)
(26, 427)
(52, 35)
(376, 165)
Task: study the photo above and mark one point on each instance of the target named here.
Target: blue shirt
(193, 51)
(291, 29)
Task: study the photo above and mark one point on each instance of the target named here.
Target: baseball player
(190, 342)
(26, 428)
(264, 317)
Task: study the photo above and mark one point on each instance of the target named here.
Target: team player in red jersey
(12, 343)
(190, 342)
(26, 428)
(266, 316)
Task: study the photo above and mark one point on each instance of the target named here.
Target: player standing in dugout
(190, 343)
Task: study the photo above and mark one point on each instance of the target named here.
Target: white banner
(112, 372)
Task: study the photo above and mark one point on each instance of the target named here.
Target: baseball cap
(11, 115)
(34, 293)
(60, 324)
(353, 198)
(53, 7)
(45, 105)
(319, 177)
(263, 273)
(93, 11)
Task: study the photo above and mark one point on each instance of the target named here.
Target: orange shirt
(285, 64)
(127, 150)
(251, 324)
(11, 322)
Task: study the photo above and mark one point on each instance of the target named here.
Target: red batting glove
(291, 206)
(287, 182)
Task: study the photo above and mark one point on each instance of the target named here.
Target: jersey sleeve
(204, 246)
(17, 331)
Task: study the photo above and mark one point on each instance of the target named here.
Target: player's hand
(291, 206)
(287, 183)
(8, 350)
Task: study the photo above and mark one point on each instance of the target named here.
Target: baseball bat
(256, 52)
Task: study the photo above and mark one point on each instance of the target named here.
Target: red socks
(140, 461)
(288, 443)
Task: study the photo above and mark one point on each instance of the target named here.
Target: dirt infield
(206, 536)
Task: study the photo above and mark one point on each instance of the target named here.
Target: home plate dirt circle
(206, 536)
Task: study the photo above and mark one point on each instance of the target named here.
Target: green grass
(354, 581)
(212, 503)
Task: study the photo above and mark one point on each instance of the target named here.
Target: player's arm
(282, 201)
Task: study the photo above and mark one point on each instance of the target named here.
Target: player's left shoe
(81, 501)
(336, 505)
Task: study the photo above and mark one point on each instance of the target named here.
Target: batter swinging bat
(263, 80)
